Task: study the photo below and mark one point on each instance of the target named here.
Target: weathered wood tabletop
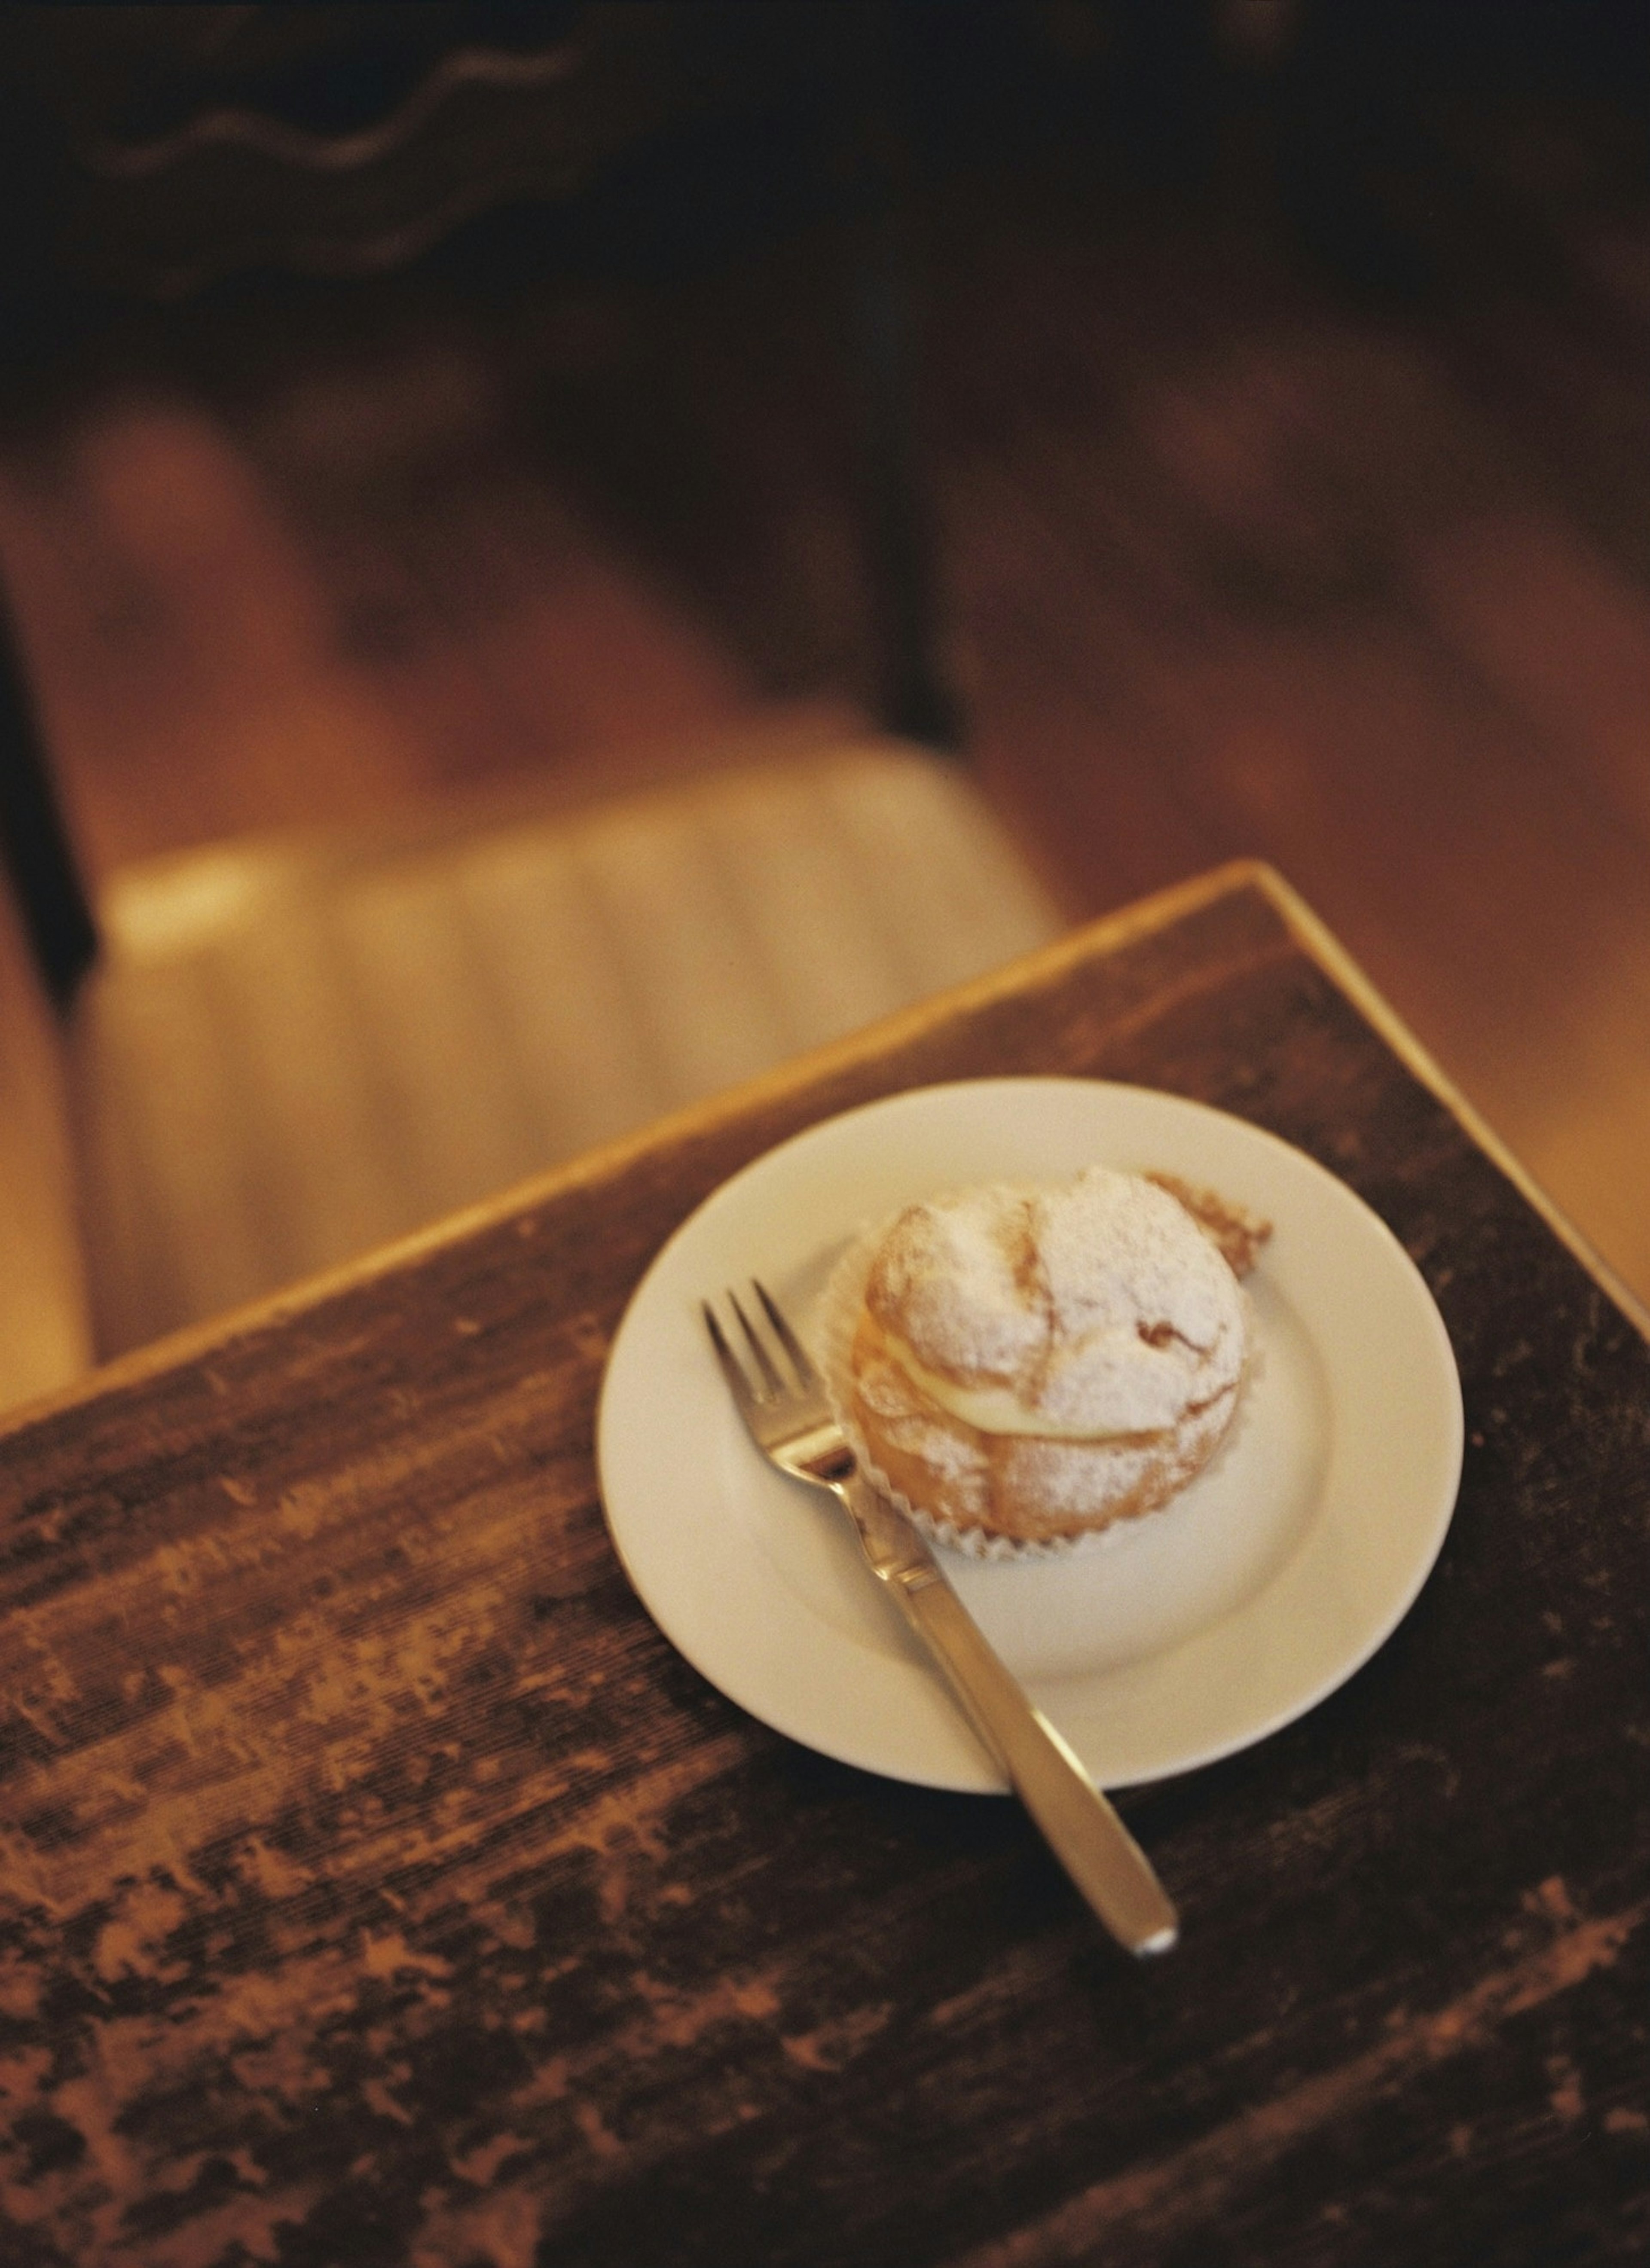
(380, 1887)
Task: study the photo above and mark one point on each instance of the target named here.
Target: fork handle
(1080, 1827)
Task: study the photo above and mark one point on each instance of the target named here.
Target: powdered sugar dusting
(952, 1270)
(1100, 1306)
(832, 1336)
(1119, 1251)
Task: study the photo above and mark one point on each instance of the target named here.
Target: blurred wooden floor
(1234, 562)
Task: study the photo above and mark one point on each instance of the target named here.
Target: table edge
(1316, 937)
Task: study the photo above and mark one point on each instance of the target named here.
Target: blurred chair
(292, 1051)
(289, 1049)
(263, 1058)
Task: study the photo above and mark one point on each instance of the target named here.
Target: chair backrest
(175, 146)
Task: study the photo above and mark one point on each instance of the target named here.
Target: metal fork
(792, 1423)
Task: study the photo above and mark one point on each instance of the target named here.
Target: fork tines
(733, 1369)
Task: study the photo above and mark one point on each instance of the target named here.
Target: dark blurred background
(1225, 425)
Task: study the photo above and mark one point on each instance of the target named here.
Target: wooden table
(380, 1886)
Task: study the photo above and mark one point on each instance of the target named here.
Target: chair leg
(871, 161)
(33, 842)
(917, 700)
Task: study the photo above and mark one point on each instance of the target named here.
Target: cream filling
(998, 1409)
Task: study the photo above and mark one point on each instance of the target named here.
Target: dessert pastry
(1035, 1364)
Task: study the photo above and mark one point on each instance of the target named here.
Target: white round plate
(1168, 1642)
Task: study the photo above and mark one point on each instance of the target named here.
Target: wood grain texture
(380, 1886)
